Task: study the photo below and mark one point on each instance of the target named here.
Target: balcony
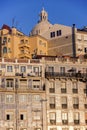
(85, 90)
(24, 55)
(76, 106)
(23, 45)
(86, 121)
(52, 106)
(53, 122)
(75, 90)
(85, 105)
(38, 74)
(76, 122)
(52, 90)
(64, 106)
(64, 122)
(63, 90)
(65, 75)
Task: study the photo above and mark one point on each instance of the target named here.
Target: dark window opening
(21, 117)
(59, 33)
(7, 117)
(52, 34)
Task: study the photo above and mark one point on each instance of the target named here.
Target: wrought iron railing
(69, 75)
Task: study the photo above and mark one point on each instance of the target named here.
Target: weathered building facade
(22, 95)
(43, 94)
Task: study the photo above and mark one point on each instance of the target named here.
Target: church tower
(43, 25)
(43, 16)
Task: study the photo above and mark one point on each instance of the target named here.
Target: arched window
(5, 50)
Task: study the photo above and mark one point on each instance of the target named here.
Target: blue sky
(25, 13)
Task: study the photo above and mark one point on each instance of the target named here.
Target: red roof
(6, 27)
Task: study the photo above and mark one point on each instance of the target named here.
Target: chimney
(73, 41)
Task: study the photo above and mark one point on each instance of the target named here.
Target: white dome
(43, 24)
(41, 28)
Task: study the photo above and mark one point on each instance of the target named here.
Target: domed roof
(43, 25)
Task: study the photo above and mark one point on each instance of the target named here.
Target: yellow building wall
(38, 44)
(31, 45)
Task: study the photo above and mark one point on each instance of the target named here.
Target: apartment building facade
(66, 93)
(22, 95)
(15, 44)
(43, 94)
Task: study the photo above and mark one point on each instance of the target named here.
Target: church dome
(43, 25)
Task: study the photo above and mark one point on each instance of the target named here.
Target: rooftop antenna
(13, 21)
(16, 24)
(43, 5)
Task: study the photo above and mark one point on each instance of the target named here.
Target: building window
(3, 82)
(52, 87)
(37, 115)
(52, 118)
(51, 69)
(9, 50)
(62, 70)
(63, 87)
(21, 117)
(4, 40)
(36, 84)
(85, 105)
(23, 69)
(9, 39)
(22, 41)
(76, 118)
(23, 83)
(9, 98)
(64, 118)
(58, 33)
(85, 49)
(52, 34)
(22, 98)
(74, 87)
(52, 102)
(75, 103)
(36, 70)
(9, 83)
(7, 117)
(5, 50)
(26, 41)
(36, 98)
(3, 66)
(86, 117)
(9, 69)
(64, 102)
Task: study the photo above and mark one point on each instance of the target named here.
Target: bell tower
(43, 15)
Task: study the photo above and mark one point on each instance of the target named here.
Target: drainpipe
(73, 41)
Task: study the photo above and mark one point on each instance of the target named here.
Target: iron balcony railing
(85, 105)
(76, 122)
(69, 75)
(64, 122)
